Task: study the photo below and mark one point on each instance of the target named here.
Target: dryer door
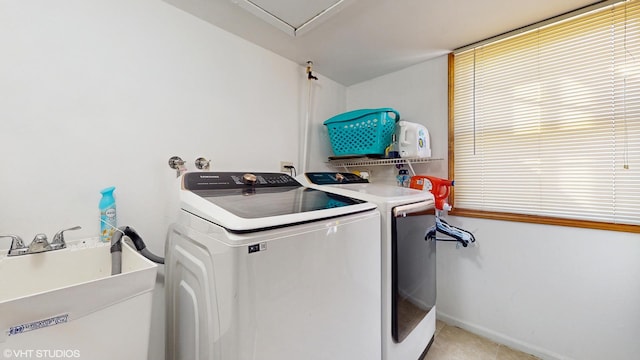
(413, 261)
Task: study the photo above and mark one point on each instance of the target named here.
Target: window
(545, 124)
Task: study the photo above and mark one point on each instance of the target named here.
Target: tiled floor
(453, 343)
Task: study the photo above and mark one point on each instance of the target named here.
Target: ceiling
(357, 40)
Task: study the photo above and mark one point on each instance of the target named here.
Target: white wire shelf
(365, 161)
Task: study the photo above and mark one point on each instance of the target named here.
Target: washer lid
(268, 200)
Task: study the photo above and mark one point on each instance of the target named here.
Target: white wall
(556, 292)
(327, 99)
(419, 94)
(103, 92)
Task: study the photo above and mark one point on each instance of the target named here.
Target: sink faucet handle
(58, 238)
(17, 245)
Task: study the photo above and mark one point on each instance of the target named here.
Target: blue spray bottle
(108, 221)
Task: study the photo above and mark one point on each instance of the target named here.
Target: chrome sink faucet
(38, 244)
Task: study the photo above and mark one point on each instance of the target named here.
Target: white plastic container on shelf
(413, 140)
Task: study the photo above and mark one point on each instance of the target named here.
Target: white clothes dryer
(260, 267)
(408, 251)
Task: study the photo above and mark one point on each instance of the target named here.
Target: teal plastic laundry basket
(362, 132)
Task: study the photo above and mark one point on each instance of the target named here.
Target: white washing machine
(408, 250)
(260, 267)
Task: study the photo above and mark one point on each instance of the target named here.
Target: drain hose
(116, 248)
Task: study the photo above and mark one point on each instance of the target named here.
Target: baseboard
(500, 338)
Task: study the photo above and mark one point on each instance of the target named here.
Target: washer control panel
(235, 180)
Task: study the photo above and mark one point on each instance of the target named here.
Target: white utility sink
(66, 304)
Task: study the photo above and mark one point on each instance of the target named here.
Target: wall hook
(310, 75)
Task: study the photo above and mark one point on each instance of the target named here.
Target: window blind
(547, 122)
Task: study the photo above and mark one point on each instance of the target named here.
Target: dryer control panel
(333, 178)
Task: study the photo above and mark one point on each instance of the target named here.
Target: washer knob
(249, 179)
